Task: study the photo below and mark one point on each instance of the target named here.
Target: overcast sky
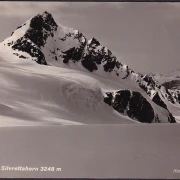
(146, 36)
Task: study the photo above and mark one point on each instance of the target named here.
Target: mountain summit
(41, 40)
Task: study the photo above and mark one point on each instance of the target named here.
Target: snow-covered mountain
(53, 74)
(168, 77)
(171, 81)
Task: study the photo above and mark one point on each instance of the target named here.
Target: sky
(145, 36)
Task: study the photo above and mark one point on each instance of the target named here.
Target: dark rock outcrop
(175, 93)
(134, 105)
(27, 46)
(131, 103)
(149, 84)
(151, 81)
(161, 103)
(95, 55)
(75, 53)
(41, 27)
(171, 119)
(174, 84)
(167, 95)
(156, 99)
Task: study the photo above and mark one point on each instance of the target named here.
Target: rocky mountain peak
(44, 20)
(94, 42)
(41, 27)
(150, 81)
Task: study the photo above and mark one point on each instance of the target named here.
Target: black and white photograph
(89, 89)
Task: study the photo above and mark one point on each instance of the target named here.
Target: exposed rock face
(173, 84)
(134, 105)
(75, 53)
(167, 95)
(95, 54)
(173, 87)
(41, 27)
(154, 89)
(159, 101)
(151, 81)
(171, 119)
(170, 83)
(125, 102)
(27, 46)
(148, 84)
(176, 95)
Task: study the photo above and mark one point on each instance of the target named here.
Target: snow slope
(52, 74)
(35, 94)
